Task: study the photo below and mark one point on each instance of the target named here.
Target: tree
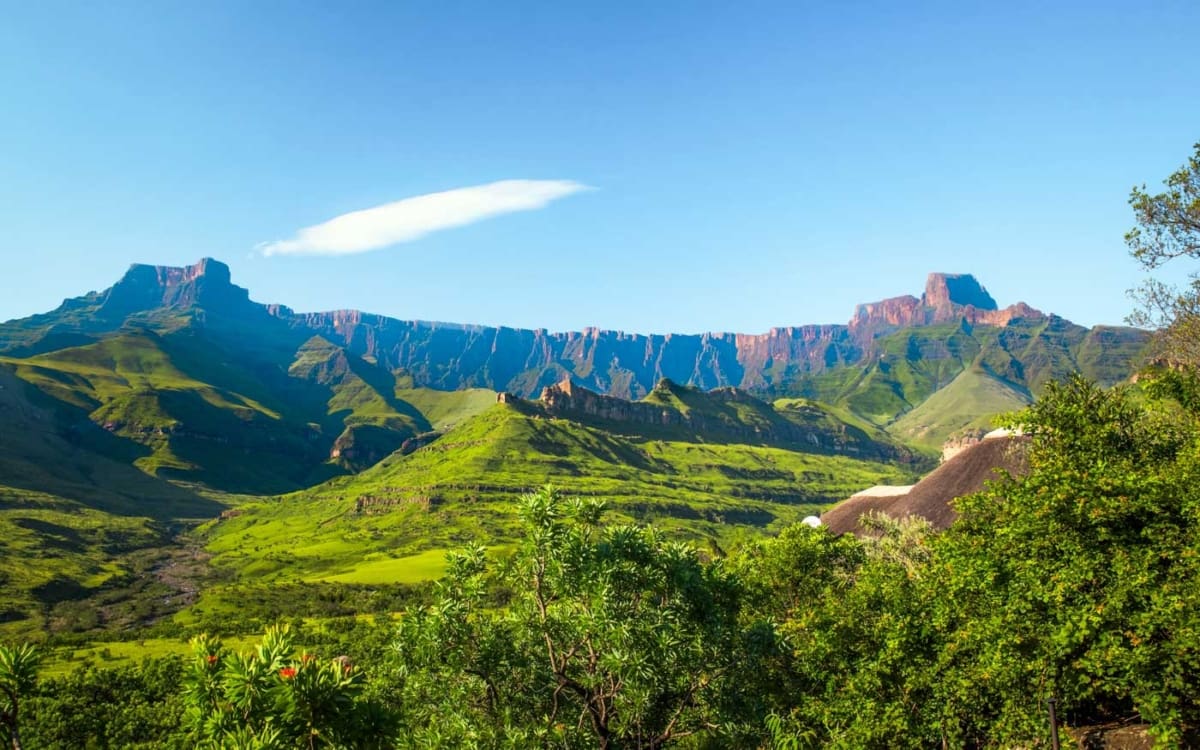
(612, 637)
(854, 644)
(1079, 580)
(1168, 227)
(1168, 222)
(18, 675)
(132, 706)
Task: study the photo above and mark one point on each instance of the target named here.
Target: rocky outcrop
(417, 442)
(722, 414)
(948, 290)
(567, 399)
(386, 503)
(960, 441)
(947, 298)
(206, 284)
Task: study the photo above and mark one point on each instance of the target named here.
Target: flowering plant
(269, 699)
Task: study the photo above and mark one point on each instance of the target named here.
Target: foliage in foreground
(18, 673)
(270, 699)
(1168, 227)
(1079, 581)
(612, 637)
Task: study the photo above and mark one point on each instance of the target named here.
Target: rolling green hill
(970, 401)
(196, 410)
(401, 514)
(75, 519)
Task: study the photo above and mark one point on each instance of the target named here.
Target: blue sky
(748, 164)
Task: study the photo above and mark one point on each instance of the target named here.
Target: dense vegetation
(1079, 581)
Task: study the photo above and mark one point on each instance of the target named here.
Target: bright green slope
(911, 365)
(89, 436)
(971, 400)
(392, 522)
(446, 409)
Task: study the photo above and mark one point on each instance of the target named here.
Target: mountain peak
(143, 287)
(948, 297)
(210, 269)
(945, 289)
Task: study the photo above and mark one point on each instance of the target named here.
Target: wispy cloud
(412, 218)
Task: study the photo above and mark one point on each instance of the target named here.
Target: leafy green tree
(855, 647)
(611, 637)
(1168, 227)
(18, 676)
(1079, 580)
(133, 707)
(1168, 222)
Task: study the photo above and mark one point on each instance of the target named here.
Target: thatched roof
(931, 498)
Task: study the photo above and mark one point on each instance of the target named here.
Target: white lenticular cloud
(412, 218)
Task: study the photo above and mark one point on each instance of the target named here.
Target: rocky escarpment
(203, 293)
(627, 365)
(522, 361)
(723, 414)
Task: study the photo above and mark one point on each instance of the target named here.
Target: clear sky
(662, 166)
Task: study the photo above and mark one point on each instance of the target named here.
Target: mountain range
(171, 398)
(453, 356)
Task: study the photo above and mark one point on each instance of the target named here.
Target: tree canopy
(1168, 227)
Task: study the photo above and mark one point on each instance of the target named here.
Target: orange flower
(211, 659)
(287, 673)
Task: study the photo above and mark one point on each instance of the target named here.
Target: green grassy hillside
(445, 409)
(393, 521)
(910, 366)
(193, 409)
(76, 524)
(971, 400)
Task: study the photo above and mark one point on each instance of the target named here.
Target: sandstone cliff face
(945, 290)
(947, 298)
(449, 356)
(565, 398)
